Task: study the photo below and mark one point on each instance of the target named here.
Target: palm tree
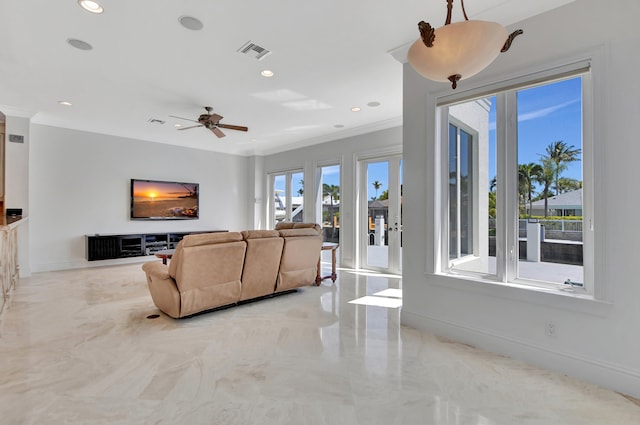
(546, 178)
(561, 153)
(566, 184)
(527, 174)
(376, 185)
(333, 192)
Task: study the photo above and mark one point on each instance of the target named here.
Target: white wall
(17, 164)
(346, 152)
(596, 341)
(80, 184)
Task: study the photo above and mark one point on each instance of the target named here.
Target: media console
(108, 247)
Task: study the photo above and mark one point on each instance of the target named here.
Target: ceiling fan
(212, 122)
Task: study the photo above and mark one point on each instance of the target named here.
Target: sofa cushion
(200, 239)
(287, 233)
(262, 262)
(300, 254)
(257, 234)
(295, 225)
(211, 238)
(284, 225)
(208, 276)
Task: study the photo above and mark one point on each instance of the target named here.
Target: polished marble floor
(76, 347)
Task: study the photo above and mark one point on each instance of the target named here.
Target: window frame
(462, 127)
(506, 156)
(288, 194)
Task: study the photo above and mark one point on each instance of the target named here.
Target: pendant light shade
(457, 51)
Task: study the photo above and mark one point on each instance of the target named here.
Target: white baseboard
(615, 377)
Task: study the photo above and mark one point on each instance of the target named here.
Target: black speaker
(14, 212)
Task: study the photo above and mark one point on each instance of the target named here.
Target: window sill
(548, 297)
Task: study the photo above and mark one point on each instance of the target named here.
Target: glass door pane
(330, 202)
(297, 197)
(377, 214)
(328, 210)
(472, 192)
(550, 177)
(288, 197)
(382, 214)
(279, 197)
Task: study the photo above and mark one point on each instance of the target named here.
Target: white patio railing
(559, 225)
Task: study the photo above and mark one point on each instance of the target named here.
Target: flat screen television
(163, 200)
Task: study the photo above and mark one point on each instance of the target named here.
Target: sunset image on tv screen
(155, 199)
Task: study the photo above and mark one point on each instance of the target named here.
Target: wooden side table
(165, 255)
(328, 246)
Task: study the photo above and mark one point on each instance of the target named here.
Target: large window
(287, 196)
(515, 186)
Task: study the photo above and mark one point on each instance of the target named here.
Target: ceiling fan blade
(180, 118)
(217, 132)
(187, 128)
(214, 118)
(234, 127)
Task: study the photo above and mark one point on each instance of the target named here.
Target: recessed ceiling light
(177, 125)
(79, 44)
(91, 6)
(267, 73)
(355, 109)
(339, 126)
(190, 23)
(373, 104)
(65, 103)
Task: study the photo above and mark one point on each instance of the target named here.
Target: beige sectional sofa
(218, 269)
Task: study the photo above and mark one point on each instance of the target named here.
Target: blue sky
(545, 114)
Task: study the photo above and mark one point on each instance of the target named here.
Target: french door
(380, 230)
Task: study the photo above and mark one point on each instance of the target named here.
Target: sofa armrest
(156, 270)
(163, 289)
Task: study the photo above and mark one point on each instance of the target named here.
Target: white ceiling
(328, 57)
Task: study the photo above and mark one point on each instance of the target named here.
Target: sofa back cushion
(300, 254)
(298, 232)
(296, 225)
(199, 240)
(262, 261)
(207, 269)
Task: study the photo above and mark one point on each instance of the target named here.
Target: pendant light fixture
(460, 50)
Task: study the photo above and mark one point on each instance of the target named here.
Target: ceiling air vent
(252, 49)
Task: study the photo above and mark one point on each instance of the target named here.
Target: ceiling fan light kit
(457, 51)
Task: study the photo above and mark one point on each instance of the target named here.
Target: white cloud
(540, 113)
(528, 116)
